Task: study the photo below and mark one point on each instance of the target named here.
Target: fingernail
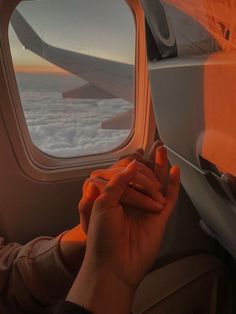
(161, 155)
(131, 165)
(89, 189)
(175, 170)
(159, 143)
(92, 190)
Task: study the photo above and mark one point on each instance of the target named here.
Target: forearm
(72, 248)
(33, 276)
(100, 291)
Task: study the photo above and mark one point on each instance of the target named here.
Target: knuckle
(102, 200)
(117, 186)
(119, 179)
(95, 173)
(86, 182)
(81, 206)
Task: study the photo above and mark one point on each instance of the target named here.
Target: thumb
(172, 192)
(86, 204)
(173, 187)
(116, 187)
(162, 167)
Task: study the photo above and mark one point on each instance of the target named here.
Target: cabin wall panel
(30, 208)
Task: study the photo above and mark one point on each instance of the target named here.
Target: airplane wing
(108, 78)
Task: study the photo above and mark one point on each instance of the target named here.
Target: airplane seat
(192, 77)
(197, 284)
(191, 274)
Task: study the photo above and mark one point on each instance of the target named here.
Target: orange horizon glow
(39, 69)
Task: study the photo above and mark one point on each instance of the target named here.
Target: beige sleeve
(32, 277)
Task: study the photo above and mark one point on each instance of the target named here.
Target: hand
(145, 183)
(156, 161)
(121, 245)
(72, 243)
(72, 247)
(128, 241)
(139, 156)
(142, 192)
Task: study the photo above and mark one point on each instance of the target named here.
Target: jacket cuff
(43, 271)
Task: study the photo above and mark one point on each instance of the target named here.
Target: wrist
(100, 291)
(72, 248)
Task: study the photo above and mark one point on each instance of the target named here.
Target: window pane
(74, 64)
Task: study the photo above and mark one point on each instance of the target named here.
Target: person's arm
(122, 244)
(39, 274)
(100, 291)
(153, 174)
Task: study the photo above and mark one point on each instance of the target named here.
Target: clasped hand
(124, 210)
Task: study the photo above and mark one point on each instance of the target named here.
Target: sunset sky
(104, 28)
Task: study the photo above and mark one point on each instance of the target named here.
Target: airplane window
(74, 65)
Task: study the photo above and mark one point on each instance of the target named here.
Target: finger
(85, 185)
(172, 193)
(139, 156)
(173, 187)
(106, 174)
(140, 201)
(89, 196)
(98, 182)
(116, 187)
(109, 172)
(134, 198)
(124, 162)
(94, 174)
(95, 181)
(152, 153)
(144, 181)
(119, 182)
(162, 167)
(146, 171)
(149, 186)
(86, 204)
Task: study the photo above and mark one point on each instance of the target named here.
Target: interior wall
(31, 208)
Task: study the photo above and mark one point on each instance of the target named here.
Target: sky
(103, 28)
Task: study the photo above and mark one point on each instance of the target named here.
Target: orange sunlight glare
(39, 69)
